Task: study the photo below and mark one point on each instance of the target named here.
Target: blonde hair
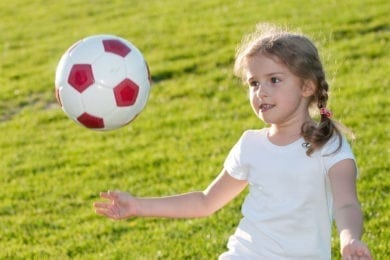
(298, 53)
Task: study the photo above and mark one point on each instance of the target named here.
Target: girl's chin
(263, 118)
(266, 119)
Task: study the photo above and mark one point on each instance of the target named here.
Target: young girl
(300, 172)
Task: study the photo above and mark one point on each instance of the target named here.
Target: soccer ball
(102, 82)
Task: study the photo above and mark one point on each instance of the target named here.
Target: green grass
(51, 170)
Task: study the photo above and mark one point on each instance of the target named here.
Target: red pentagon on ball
(81, 77)
(126, 93)
(116, 46)
(91, 121)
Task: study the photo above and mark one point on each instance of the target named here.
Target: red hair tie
(325, 112)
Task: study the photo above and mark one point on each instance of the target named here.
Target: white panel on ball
(72, 103)
(136, 67)
(99, 100)
(120, 117)
(109, 70)
(86, 51)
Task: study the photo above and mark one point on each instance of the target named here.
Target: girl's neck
(288, 132)
(282, 139)
(284, 135)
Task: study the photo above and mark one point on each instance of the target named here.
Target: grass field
(51, 170)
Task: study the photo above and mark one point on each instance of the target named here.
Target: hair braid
(322, 93)
(317, 135)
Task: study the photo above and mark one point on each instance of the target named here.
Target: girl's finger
(109, 195)
(101, 212)
(101, 205)
(113, 194)
(104, 195)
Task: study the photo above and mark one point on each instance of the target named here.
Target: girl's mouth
(265, 107)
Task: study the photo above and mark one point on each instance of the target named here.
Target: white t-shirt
(287, 213)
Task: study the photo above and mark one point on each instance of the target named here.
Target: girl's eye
(254, 83)
(275, 80)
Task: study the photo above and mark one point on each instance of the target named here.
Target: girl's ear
(308, 88)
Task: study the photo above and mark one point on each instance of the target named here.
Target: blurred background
(51, 170)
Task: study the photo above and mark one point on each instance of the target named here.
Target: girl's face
(276, 95)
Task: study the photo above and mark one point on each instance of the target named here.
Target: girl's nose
(261, 91)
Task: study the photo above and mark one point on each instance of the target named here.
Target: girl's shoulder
(254, 133)
(336, 150)
(337, 143)
(252, 137)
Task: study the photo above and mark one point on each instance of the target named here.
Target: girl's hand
(355, 249)
(120, 205)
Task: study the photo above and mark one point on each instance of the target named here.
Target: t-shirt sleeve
(234, 163)
(331, 155)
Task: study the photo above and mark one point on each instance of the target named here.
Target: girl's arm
(347, 211)
(189, 205)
